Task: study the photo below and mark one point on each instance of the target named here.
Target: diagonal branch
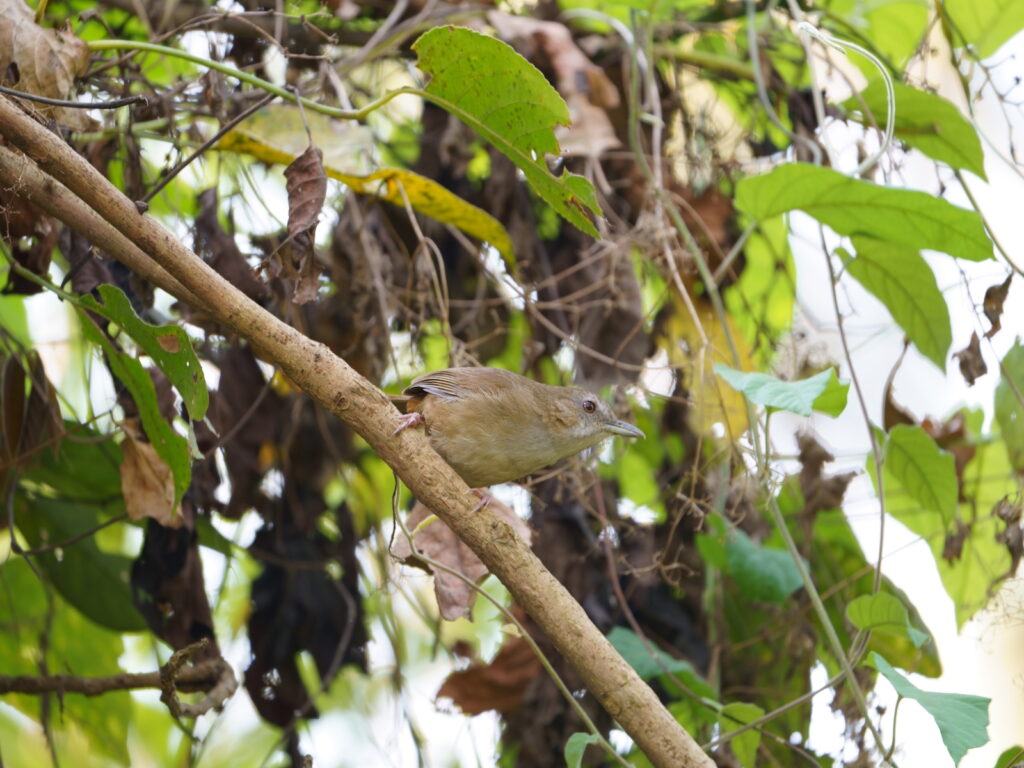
(336, 386)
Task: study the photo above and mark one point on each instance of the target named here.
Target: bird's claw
(407, 420)
(484, 496)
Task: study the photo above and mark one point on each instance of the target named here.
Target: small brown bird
(494, 426)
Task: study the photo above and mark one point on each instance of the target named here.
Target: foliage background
(694, 544)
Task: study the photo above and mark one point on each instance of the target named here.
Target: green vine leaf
(883, 612)
(962, 719)
(821, 392)
(507, 100)
(926, 472)
(744, 746)
(1009, 410)
(762, 573)
(576, 746)
(902, 280)
(854, 207)
(985, 24)
(924, 121)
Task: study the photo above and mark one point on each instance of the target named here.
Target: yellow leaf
(277, 135)
(712, 400)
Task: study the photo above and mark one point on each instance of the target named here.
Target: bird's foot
(483, 495)
(407, 420)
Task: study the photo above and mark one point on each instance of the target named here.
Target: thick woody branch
(329, 380)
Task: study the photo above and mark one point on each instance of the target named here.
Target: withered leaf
(1013, 535)
(499, 685)
(147, 482)
(972, 364)
(295, 261)
(30, 416)
(953, 547)
(46, 61)
(993, 304)
(455, 597)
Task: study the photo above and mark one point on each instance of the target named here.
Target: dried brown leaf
(972, 364)
(44, 62)
(499, 685)
(295, 261)
(993, 304)
(30, 415)
(147, 483)
(455, 597)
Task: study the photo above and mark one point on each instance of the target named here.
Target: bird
(494, 426)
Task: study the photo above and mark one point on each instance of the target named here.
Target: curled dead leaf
(147, 482)
(455, 597)
(972, 364)
(40, 61)
(295, 261)
(993, 304)
(499, 685)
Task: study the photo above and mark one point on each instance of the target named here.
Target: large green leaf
(650, 665)
(507, 100)
(761, 573)
(168, 345)
(902, 280)
(924, 121)
(894, 28)
(93, 581)
(84, 468)
(821, 392)
(883, 612)
(962, 719)
(169, 445)
(854, 207)
(74, 645)
(744, 746)
(926, 472)
(1009, 407)
(984, 24)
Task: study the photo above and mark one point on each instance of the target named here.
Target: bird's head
(580, 419)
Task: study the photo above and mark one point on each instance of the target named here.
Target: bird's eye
(589, 406)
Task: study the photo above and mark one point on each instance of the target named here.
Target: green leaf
(762, 573)
(854, 207)
(506, 100)
(927, 122)
(801, 397)
(169, 445)
(926, 472)
(95, 582)
(74, 645)
(576, 746)
(745, 745)
(1009, 411)
(85, 468)
(638, 655)
(168, 345)
(984, 24)
(902, 280)
(883, 612)
(962, 719)
(1009, 757)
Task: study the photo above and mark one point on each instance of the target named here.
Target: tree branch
(330, 381)
(214, 676)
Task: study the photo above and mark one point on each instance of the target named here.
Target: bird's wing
(454, 383)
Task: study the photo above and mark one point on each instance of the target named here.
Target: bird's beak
(624, 429)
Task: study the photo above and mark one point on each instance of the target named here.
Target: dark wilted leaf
(972, 364)
(499, 685)
(295, 261)
(993, 304)
(168, 588)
